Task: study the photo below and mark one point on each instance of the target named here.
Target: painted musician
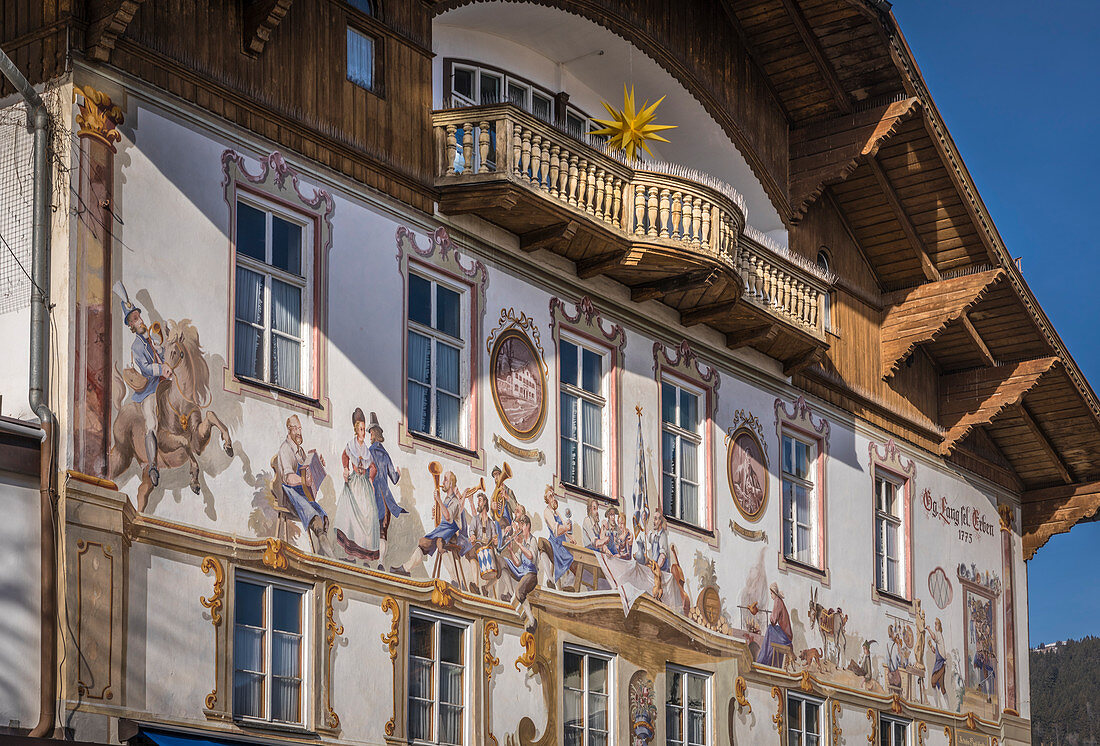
(452, 525)
(593, 535)
(484, 535)
(559, 529)
(296, 481)
(520, 575)
(145, 375)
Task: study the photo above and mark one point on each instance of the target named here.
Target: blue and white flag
(641, 493)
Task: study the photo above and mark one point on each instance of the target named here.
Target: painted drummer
(484, 535)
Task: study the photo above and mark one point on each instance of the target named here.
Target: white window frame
(680, 435)
(893, 721)
(305, 647)
(708, 680)
(467, 683)
(438, 337)
(884, 518)
(373, 57)
(800, 733)
(790, 515)
(610, 658)
(602, 400)
(305, 283)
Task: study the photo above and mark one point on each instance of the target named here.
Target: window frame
(467, 374)
(468, 683)
(814, 526)
(708, 694)
(886, 462)
(801, 732)
(306, 283)
(603, 399)
(610, 694)
(375, 44)
(681, 386)
(894, 721)
(883, 519)
(306, 689)
(801, 422)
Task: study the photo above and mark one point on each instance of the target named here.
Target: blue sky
(1017, 85)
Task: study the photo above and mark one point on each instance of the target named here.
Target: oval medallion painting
(519, 387)
(748, 473)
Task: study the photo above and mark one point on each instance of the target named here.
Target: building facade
(396, 406)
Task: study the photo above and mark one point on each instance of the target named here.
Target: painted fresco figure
(484, 536)
(148, 370)
(747, 485)
(939, 665)
(383, 475)
(520, 572)
(894, 659)
(452, 526)
(652, 547)
(296, 480)
(593, 534)
(559, 529)
(779, 630)
(985, 658)
(356, 519)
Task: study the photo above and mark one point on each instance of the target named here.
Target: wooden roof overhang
(866, 135)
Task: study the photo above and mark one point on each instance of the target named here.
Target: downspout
(39, 118)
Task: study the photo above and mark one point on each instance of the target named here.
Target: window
(893, 732)
(888, 536)
(686, 707)
(437, 685)
(272, 304)
(681, 437)
(542, 106)
(583, 407)
(268, 658)
(585, 702)
(436, 359)
(364, 5)
(803, 721)
(360, 59)
(799, 500)
(472, 84)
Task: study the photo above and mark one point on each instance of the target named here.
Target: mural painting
(747, 466)
(518, 375)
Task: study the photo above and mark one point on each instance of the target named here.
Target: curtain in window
(592, 427)
(450, 703)
(689, 483)
(420, 699)
(802, 518)
(248, 339)
(360, 59)
(569, 469)
(286, 317)
(448, 404)
(420, 363)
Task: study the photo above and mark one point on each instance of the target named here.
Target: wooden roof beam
(1044, 443)
(919, 315)
(597, 265)
(929, 268)
(976, 338)
(977, 397)
(105, 30)
(813, 46)
(260, 19)
(825, 153)
(1055, 510)
(677, 283)
(548, 237)
(706, 314)
(752, 335)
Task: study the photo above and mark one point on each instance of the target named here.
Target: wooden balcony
(666, 232)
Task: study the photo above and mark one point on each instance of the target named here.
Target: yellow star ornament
(629, 130)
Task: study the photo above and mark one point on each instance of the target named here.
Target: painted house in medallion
(379, 396)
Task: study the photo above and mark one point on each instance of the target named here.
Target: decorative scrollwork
(947, 731)
(527, 658)
(872, 717)
(389, 603)
(274, 556)
(214, 603)
(491, 661)
(441, 593)
(895, 704)
(922, 728)
(777, 718)
(837, 732)
(740, 693)
(806, 683)
(332, 631)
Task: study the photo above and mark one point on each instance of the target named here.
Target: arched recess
(736, 96)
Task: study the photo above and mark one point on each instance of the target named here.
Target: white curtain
(420, 362)
(249, 311)
(360, 59)
(592, 434)
(286, 351)
(448, 404)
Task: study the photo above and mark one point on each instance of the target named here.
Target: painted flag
(641, 494)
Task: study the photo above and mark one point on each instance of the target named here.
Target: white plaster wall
(15, 364)
(19, 601)
(515, 694)
(170, 638)
(362, 674)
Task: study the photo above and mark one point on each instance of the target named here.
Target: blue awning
(163, 738)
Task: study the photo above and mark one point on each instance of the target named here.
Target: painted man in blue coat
(148, 360)
(383, 472)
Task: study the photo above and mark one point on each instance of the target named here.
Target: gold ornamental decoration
(873, 719)
(922, 728)
(491, 661)
(629, 129)
(99, 117)
(332, 631)
(274, 556)
(777, 718)
(837, 732)
(214, 603)
(740, 693)
(527, 658)
(389, 603)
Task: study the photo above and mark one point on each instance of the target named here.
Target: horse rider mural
(145, 374)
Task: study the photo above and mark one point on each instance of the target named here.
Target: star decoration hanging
(629, 129)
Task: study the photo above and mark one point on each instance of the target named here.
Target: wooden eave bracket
(1055, 510)
(920, 315)
(828, 152)
(104, 31)
(977, 397)
(260, 18)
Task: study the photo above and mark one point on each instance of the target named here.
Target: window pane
(788, 455)
(420, 358)
(697, 692)
(421, 634)
(420, 720)
(286, 699)
(364, 5)
(420, 300)
(490, 88)
(249, 604)
(540, 107)
(597, 674)
(689, 411)
(248, 649)
(573, 709)
(697, 725)
(360, 59)
(674, 728)
(794, 713)
(668, 403)
(286, 363)
(450, 643)
(286, 245)
(569, 416)
(591, 424)
(597, 712)
(592, 371)
(419, 415)
(567, 361)
(811, 717)
(251, 232)
(689, 503)
(689, 461)
(463, 82)
(448, 369)
(448, 414)
(285, 655)
(450, 724)
(286, 610)
(517, 95)
(593, 469)
(420, 678)
(447, 312)
(286, 308)
(450, 683)
(674, 688)
(574, 668)
(249, 305)
(248, 694)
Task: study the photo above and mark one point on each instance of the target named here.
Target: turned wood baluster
(537, 160)
(689, 226)
(601, 193)
(639, 210)
(468, 147)
(677, 214)
(552, 185)
(517, 149)
(573, 181)
(563, 176)
(452, 148)
(663, 209)
(651, 211)
(760, 279)
(590, 196)
(716, 228)
(799, 300)
(617, 203)
(483, 147)
(815, 308)
(704, 234)
(697, 218)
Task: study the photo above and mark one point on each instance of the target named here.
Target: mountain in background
(1065, 693)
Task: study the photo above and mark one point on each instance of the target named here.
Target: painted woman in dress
(356, 522)
(559, 531)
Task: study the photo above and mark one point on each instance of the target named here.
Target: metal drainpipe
(39, 390)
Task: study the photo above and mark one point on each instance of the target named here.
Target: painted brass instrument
(435, 469)
(498, 499)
